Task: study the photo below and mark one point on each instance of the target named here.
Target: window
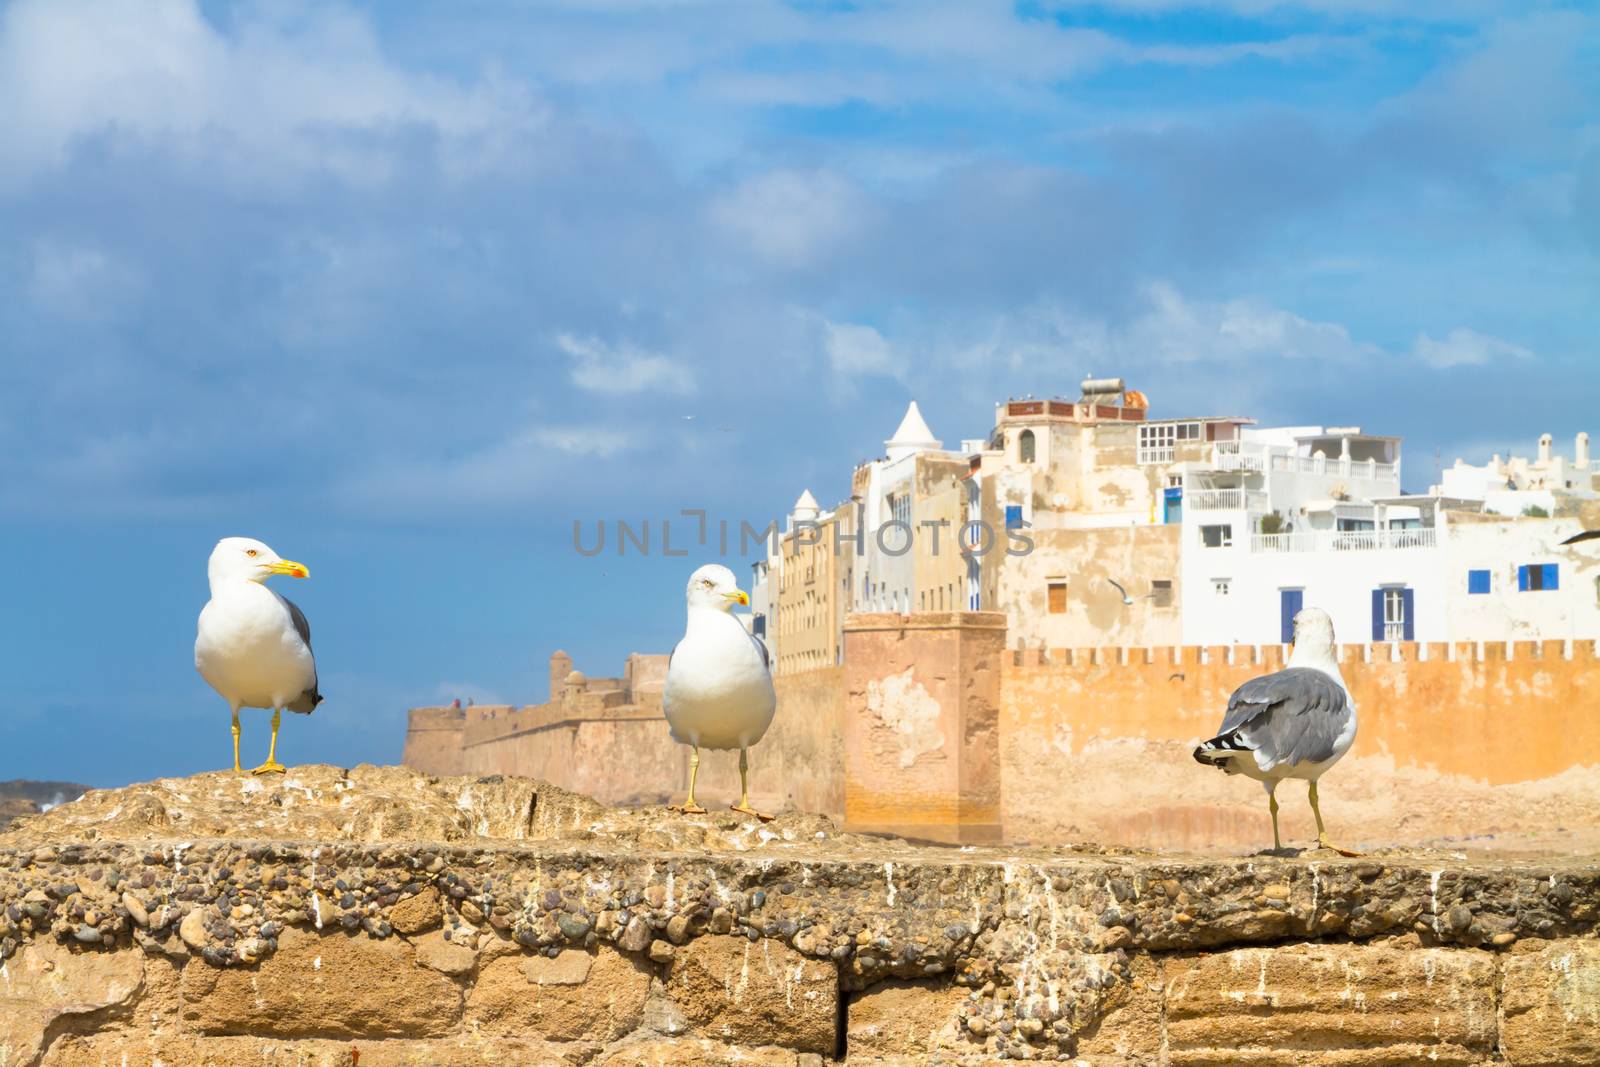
(1187, 431)
(1013, 516)
(1477, 581)
(1058, 597)
(1025, 446)
(900, 507)
(1218, 536)
(1156, 443)
(1394, 614)
(1161, 592)
(1534, 577)
(1221, 586)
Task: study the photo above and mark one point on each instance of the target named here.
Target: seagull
(1126, 599)
(1295, 723)
(254, 646)
(719, 681)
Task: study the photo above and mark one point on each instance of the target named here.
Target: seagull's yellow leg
(1322, 835)
(689, 806)
(744, 788)
(272, 766)
(236, 767)
(1272, 805)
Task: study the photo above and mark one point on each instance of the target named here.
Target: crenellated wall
(932, 719)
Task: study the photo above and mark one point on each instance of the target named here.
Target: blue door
(1172, 505)
(1290, 602)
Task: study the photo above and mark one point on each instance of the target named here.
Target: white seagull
(254, 646)
(719, 681)
(1295, 723)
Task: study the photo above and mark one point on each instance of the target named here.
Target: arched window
(1025, 446)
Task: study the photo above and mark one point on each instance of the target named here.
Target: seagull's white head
(713, 586)
(1313, 631)
(251, 560)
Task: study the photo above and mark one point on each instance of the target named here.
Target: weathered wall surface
(498, 921)
(932, 729)
(622, 753)
(1502, 740)
(922, 743)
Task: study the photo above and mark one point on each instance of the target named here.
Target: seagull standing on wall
(1295, 723)
(719, 681)
(254, 646)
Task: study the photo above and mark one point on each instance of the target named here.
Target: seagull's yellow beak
(738, 596)
(289, 567)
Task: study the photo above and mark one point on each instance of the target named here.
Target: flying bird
(719, 681)
(1587, 535)
(254, 646)
(1126, 599)
(1295, 723)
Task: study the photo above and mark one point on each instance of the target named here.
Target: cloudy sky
(404, 289)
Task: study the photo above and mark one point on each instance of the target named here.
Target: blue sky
(404, 289)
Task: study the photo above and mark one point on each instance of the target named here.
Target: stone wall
(382, 918)
(933, 730)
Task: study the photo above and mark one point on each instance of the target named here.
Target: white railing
(1240, 461)
(1214, 499)
(1368, 468)
(1344, 540)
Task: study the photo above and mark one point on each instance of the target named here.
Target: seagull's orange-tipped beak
(289, 567)
(738, 596)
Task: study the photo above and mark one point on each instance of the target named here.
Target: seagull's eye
(250, 552)
(707, 583)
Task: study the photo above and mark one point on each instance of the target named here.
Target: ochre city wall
(623, 753)
(931, 720)
(1465, 742)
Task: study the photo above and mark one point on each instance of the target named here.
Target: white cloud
(623, 368)
(857, 350)
(598, 441)
(1172, 328)
(272, 99)
(1462, 347)
(790, 217)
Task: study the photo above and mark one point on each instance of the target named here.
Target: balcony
(1344, 540)
(1370, 468)
(1224, 500)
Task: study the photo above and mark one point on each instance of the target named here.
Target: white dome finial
(913, 436)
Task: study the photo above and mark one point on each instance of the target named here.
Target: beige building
(1075, 493)
(807, 582)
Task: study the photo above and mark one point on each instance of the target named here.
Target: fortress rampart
(934, 728)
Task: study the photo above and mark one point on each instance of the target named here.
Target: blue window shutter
(1377, 614)
(1477, 581)
(1522, 578)
(1409, 601)
(1013, 515)
(1552, 576)
(1289, 601)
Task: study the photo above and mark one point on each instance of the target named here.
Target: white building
(1293, 518)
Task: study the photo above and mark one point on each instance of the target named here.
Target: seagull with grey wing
(1295, 723)
(719, 690)
(253, 646)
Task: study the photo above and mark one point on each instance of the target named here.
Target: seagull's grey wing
(1118, 584)
(1292, 716)
(1584, 536)
(761, 647)
(311, 697)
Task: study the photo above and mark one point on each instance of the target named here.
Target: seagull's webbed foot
(748, 810)
(1323, 842)
(272, 766)
(690, 808)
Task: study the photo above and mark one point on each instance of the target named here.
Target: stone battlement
(378, 916)
(935, 728)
